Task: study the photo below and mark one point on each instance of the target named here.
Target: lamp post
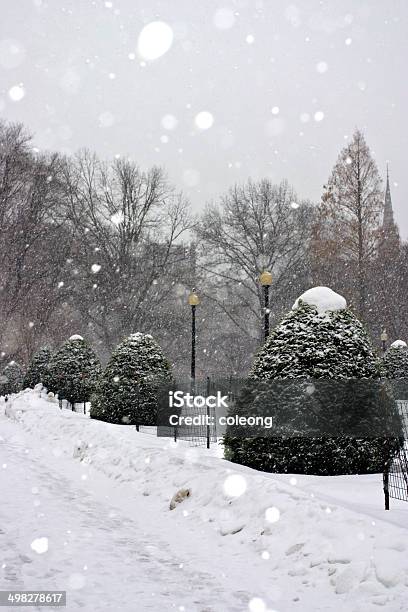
(193, 300)
(266, 280)
(384, 338)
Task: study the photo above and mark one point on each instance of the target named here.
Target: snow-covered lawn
(242, 541)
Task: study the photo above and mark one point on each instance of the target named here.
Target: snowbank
(323, 299)
(335, 558)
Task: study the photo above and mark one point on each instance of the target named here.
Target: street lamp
(266, 281)
(384, 338)
(193, 300)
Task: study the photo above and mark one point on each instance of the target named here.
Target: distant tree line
(107, 249)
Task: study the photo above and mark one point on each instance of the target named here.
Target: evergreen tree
(127, 392)
(37, 368)
(317, 376)
(12, 378)
(395, 368)
(73, 371)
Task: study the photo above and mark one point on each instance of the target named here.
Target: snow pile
(299, 541)
(399, 344)
(323, 299)
(76, 337)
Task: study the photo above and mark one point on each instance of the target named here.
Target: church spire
(388, 220)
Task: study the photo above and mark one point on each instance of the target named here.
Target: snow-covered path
(100, 549)
(283, 543)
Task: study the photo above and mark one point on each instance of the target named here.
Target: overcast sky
(225, 91)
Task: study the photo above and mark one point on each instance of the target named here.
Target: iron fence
(395, 477)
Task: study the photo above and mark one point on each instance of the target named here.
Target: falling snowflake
(106, 119)
(95, 268)
(322, 67)
(235, 485)
(272, 514)
(155, 40)
(40, 545)
(204, 120)
(257, 605)
(169, 122)
(12, 53)
(16, 93)
(117, 218)
(319, 116)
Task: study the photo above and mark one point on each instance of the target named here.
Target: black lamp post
(384, 339)
(193, 300)
(266, 280)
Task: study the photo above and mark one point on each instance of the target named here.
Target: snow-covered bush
(12, 378)
(395, 368)
(73, 371)
(37, 368)
(318, 340)
(127, 392)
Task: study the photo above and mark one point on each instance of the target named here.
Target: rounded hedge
(37, 368)
(127, 392)
(330, 353)
(73, 371)
(11, 379)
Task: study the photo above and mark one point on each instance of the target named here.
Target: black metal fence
(396, 476)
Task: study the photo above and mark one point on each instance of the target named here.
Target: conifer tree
(73, 371)
(395, 368)
(37, 368)
(127, 392)
(318, 377)
(12, 378)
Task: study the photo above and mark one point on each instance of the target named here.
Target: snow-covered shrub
(127, 392)
(37, 368)
(395, 368)
(318, 340)
(73, 371)
(11, 379)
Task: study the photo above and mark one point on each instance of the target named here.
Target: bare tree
(258, 226)
(32, 245)
(346, 233)
(127, 225)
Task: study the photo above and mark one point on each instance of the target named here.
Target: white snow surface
(84, 507)
(323, 299)
(76, 337)
(399, 344)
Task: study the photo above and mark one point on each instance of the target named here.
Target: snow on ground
(84, 507)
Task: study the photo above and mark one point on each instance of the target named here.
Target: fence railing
(395, 477)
